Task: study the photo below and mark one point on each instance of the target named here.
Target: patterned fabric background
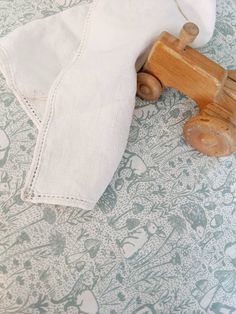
(162, 239)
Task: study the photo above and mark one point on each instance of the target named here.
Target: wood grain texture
(213, 88)
(185, 70)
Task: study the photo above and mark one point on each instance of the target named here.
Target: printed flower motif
(108, 200)
(196, 217)
(49, 216)
(176, 260)
(27, 265)
(58, 243)
(23, 237)
(92, 246)
(3, 269)
(177, 223)
(121, 296)
(132, 223)
(16, 262)
(19, 300)
(20, 280)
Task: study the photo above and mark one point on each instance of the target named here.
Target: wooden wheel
(211, 135)
(148, 86)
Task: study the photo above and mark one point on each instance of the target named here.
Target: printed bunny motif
(137, 239)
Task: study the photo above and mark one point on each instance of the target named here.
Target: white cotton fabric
(75, 75)
(33, 55)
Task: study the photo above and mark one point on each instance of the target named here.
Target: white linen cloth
(75, 75)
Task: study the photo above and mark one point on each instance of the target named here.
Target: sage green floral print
(162, 238)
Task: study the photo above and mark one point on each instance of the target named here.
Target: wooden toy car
(173, 63)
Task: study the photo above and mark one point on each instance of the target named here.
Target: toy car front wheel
(211, 135)
(148, 86)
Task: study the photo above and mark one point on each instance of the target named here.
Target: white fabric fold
(75, 75)
(33, 55)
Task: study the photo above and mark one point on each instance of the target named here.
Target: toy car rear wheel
(211, 136)
(148, 86)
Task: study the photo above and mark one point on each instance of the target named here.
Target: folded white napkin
(75, 75)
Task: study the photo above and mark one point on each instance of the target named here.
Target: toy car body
(173, 63)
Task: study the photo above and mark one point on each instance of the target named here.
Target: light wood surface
(187, 35)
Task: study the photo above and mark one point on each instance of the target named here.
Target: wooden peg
(188, 34)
